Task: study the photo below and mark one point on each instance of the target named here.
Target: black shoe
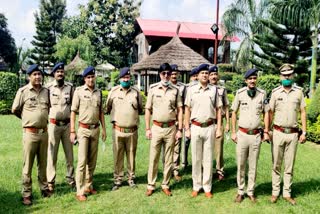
(46, 193)
(115, 187)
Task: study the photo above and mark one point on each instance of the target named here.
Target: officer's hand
(148, 134)
(234, 137)
(187, 133)
(72, 137)
(178, 135)
(218, 133)
(266, 137)
(104, 135)
(302, 139)
(227, 129)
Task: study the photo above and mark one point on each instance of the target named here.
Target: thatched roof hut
(174, 52)
(77, 65)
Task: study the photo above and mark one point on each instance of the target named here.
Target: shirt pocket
(54, 99)
(44, 103)
(32, 103)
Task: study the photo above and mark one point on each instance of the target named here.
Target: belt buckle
(205, 124)
(250, 132)
(287, 130)
(165, 125)
(92, 126)
(126, 130)
(40, 131)
(60, 123)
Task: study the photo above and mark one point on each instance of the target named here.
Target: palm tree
(303, 14)
(242, 19)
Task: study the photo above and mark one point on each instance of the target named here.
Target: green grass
(306, 184)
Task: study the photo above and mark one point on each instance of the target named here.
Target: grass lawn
(306, 185)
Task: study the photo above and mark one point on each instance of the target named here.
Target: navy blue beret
(124, 71)
(174, 67)
(213, 69)
(165, 67)
(203, 67)
(251, 72)
(194, 71)
(32, 68)
(88, 70)
(59, 65)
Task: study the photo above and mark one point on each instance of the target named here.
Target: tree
(242, 19)
(48, 26)
(303, 14)
(8, 49)
(112, 27)
(280, 44)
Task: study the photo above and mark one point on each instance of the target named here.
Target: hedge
(313, 110)
(9, 84)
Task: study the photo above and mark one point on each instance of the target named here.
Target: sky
(20, 13)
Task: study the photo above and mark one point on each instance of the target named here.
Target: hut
(174, 52)
(75, 68)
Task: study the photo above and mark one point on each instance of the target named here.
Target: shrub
(115, 78)
(313, 131)
(101, 83)
(236, 83)
(226, 76)
(144, 100)
(225, 68)
(313, 109)
(9, 84)
(268, 83)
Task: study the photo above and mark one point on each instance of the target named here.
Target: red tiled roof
(187, 29)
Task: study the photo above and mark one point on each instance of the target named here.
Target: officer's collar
(30, 86)
(55, 83)
(169, 86)
(87, 87)
(200, 86)
(284, 90)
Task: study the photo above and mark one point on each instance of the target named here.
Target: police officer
(59, 125)
(193, 81)
(218, 143)
(124, 104)
(177, 145)
(286, 101)
(165, 104)
(31, 105)
(202, 108)
(87, 101)
(250, 102)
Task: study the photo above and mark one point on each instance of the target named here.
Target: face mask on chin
(165, 83)
(251, 92)
(125, 84)
(287, 82)
(60, 82)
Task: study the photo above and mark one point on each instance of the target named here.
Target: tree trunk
(314, 62)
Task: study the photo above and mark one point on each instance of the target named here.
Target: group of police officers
(194, 112)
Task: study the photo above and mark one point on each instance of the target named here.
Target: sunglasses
(168, 73)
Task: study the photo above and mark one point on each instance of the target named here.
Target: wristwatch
(304, 133)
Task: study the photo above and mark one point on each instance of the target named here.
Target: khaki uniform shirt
(222, 92)
(250, 108)
(88, 104)
(60, 99)
(182, 90)
(163, 104)
(286, 105)
(124, 106)
(33, 105)
(202, 102)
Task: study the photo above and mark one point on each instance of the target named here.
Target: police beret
(174, 67)
(32, 68)
(213, 69)
(286, 69)
(124, 71)
(165, 67)
(59, 65)
(251, 72)
(203, 67)
(194, 71)
(88, 70)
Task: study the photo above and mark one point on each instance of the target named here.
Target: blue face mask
(286, 82)
(125, 84)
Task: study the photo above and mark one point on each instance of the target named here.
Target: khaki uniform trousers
(248, 149)
(218, 153)
(34, 145)
(284, 148)
(124, 143)
(202, 144)
(161, 137)
(57, 133)
(87, 158)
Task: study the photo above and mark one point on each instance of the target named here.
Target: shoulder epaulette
(180, 84)
(297, 87)
(23, 88)
(154, 85)
(241, 90)
(261, 90)
(135, 88)
(115, 88)
(277, 88)
(69, 84)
